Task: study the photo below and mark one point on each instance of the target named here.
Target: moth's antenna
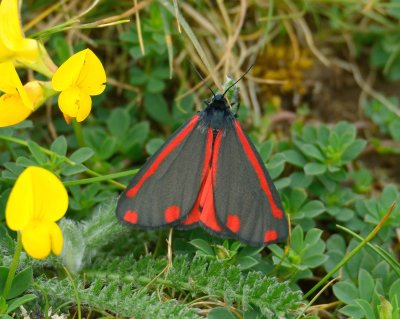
(238, 80)
(201, 78)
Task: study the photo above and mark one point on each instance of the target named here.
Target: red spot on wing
(172, 213)
(270, 235)
(276, 212)
(131, 217)
(163, 155)
(233, 223)
(194, 215)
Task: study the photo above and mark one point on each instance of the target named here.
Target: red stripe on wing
(204, 208)
(217, 145)
(194, 215)
(163, 155)
(276, 212)
(208, 216)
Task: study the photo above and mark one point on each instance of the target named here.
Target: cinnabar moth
(207, 173)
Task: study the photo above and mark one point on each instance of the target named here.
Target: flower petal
(36, 92)
(75, 103)
(36, 240)
(5, 53)
(56, 238)
(85, 107)
(12, 110)
(38, 195)
(10, 83)
(28, 51)
(13, 44)
(19, 209)
(92, 76)
(68, 73)
(10, 25)
(49, 195)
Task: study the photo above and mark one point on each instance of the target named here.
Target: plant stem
(78, 133)
(353, 252)
(77, 298)
(101, 178)
(13, 267)
(64, 158)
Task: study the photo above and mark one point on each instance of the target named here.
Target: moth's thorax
(218, 102)
(217, 114)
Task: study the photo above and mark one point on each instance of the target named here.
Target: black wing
(167, 186)
(247, 203)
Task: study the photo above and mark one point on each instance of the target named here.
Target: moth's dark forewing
(166, 187)
(242, 203)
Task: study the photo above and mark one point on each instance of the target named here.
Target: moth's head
(219, 102)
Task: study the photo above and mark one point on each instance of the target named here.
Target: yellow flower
(81, 76)
(18, 101)
(37, 200)
(14, 47)
(12, 42)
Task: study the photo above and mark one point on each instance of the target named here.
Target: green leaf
(394, 129)
(295, 158)
(118, 122)
(155, 85)
(345, 128)
(3, 278)
(37, 153)
(312, 209)
(161, 72)
(314, 169)
(394, 291)
(297, 238)
(313, 236)
(250, 251)
(366, 285)
(312, 151)
(266, 150)
(22, 281)
(59, 146)
(352, 311)
(297, 197)
(73, 169)
(300, 180)
(389, 195)
(314, 261)
(246, 262)
(156, 107)
(16, 303)
(276, 165)
(203, 246)
(81, 155)
(353, 150)
(367, 308)
(107, 147)
(282, 183)
(137, 134)
(220, 313)
(153, 145)
(25, 162)
(346, 292)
